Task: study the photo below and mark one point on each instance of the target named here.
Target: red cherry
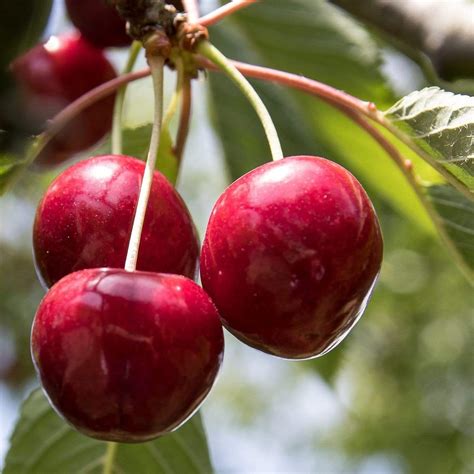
(52, 75)
(85, 219)
(126, 356)
(99, 22)
(290, 256)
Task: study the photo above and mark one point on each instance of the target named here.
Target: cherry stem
(109, 458)
(213, 54)
(184, 117)
(173, 105)
(119, 100)
(192, 9)
(181, 95)
(156, 65)
(224, 11)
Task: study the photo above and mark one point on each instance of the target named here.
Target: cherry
(54, 74)
(126, 356)
(99, 22)
(85, 218)
(290, 256)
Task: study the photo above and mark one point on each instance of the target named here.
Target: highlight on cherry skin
(84, 220)
(98, 22)
(52, 75)
(126, 356)
(290, 256)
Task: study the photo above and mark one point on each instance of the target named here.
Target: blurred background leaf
(22, 23)
(44, 443)
(456, 216)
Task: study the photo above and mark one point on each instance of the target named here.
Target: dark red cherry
(99, 22)
(290, 256)
(126, 356)
(85, 219)
(52, 75)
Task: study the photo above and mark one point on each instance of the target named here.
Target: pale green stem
(184, 117)
(156, 65)
(119, 100)
(176, 97)
(213, 54)
(109, 458)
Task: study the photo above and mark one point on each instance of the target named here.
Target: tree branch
(442, 30)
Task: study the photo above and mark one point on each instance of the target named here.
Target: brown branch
(323, 91)
(442, 30)
(340, 98)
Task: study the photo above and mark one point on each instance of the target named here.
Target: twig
(337, 97)
(224, 11)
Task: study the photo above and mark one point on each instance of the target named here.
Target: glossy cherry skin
(85, 218)
(290, 256)
(51, 76)
(126, 356)
(99, 22)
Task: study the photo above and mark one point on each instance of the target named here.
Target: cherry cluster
(290, 256)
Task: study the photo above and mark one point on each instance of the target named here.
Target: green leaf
(136, 142)
(455, 217)
(441, 124)
(21, 25)
(13, 164)
(328, 366)
(43, 443)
